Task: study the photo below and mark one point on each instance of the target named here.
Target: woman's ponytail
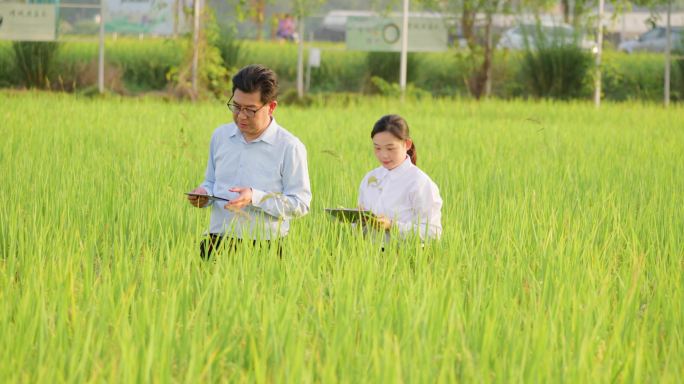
(413, 154)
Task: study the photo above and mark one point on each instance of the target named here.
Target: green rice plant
(561, 257)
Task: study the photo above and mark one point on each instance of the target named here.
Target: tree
(301, 9)
(575, 11)
(254, 10)
(481, 46)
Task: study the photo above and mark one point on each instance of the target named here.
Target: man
(256, 164)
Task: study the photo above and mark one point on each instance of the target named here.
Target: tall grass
(135, 66)
(561, 258)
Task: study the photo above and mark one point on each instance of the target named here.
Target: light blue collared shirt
(274, 166)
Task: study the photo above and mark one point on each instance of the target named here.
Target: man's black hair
(256, 77)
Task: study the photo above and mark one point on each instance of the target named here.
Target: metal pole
(599, 47)
(300, 58)
(307, 83)
(176, 9)
(100, 63)
(404, 50)
(668, 56)
(195, 42)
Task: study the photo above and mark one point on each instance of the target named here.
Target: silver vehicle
(654, 40)
(526, 36)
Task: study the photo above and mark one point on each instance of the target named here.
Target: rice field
(562, 256)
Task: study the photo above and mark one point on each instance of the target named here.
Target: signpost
(158, 17)
(668, 54)
(383, 34)
(404, 49)
(599, 45)
(28, 22)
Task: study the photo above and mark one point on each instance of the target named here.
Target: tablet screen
(352, 215)
(208, 196)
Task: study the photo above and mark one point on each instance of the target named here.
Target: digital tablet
(208, 196)
(350, 215)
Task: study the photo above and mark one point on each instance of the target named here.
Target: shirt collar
(402, 167)
(398, 170)
(268, 136)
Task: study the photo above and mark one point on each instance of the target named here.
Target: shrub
(229, 47)
(34, 61)
(143, 65)
(678, 78)
(557, 71)
(385, 65)
(8, 76)
(213, 77)
(638, 76)
(394, 89)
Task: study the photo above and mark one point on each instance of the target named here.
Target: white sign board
(28, 22)
(145, 16)
(425, 34)
(314, 57)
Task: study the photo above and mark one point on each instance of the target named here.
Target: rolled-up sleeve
(295, 199)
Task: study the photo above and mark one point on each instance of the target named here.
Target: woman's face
(390, 150)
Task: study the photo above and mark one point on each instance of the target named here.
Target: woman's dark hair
(398, 127)
(256, 77)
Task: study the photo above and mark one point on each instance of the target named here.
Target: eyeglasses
(236, 109)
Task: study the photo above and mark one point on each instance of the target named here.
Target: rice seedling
(561, 257)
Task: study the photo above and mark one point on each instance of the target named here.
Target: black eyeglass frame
(250, 113)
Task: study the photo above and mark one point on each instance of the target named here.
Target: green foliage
(385, 65)
(8, 66)
(139, 66)
(340, 71)
(145, 65)
(441, 73)
(229, 47)
(291, 97)
(213, 77)
(35, 61)
(560, 260)
(394, 89)
(557, 71)
(678, 78)
(639, 76)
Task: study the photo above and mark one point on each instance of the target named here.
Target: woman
(399, 193)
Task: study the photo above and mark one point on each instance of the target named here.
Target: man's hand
(243, 200)
(197, 201)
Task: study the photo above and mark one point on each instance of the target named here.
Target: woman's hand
(380, 222)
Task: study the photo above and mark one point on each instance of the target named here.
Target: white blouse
(405, 195)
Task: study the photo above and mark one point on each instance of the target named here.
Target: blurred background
(466, 48)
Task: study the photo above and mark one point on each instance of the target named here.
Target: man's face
(252, 127)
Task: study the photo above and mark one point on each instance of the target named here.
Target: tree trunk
(578, 11)
(468, 24)
(565, 5)
(480, 82)
(259, 11)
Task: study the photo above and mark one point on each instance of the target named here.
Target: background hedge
(135, 66)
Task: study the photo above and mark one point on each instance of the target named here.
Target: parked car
(526, 36)
(654, 40)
